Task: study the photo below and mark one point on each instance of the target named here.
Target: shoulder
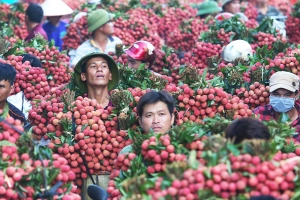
(261, 109)
(15, 113)
(117, 40)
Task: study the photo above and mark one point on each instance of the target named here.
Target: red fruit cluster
(197, 57)
(250, 10)
(9, 134)
(268, 39)
(207, 102)
(123, 161)
(251, 23)
(267, 178)
(55, 63)
(140, 25)
(287, 63)
(112, 190)
(258, 95)
(43, 109)
(292, 29)
(76, 34)
(172, 18)
(96, 138)
(31, 80)
(184, 37)
(160, 157)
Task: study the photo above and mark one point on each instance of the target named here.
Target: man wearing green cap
(101, 28)
(96, 74)
(208, 7)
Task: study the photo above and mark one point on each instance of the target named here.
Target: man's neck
(31, 26)
(100, 94)
(293, 114)
(100, 39)
(2, 105)
(55, 24)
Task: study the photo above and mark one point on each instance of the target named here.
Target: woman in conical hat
(55, 28)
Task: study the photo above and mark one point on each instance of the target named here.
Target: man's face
(156, 116)
(233, 7)
(283, 93)
(5, 90)
(108, 28)
(132, 63)
(54, 20)
(97, 72)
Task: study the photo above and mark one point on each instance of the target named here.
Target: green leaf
(7, 143)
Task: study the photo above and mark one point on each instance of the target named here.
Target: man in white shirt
(101, 27)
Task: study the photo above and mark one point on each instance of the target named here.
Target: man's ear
(12, 89)
(172, 118)
(83, 77)
(110, 76)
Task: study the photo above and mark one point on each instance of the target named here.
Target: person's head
(140, 52)
(284, 87)
(100, 21)
(7, 79)
(156, 111)
(34, 14)
(55, 9)
(34, 61)
(208, 7)
(231, 6)
(245, 129)
(96, 70)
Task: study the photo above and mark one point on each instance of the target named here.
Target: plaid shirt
(267, 113)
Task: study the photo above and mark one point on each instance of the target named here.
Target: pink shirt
(36, 30)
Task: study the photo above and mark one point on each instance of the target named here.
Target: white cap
(284, 80)
(237, 49)
(95, 1)
(78, 16)
(55, 8)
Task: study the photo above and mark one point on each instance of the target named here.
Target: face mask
(281, 104)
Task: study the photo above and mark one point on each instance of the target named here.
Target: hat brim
(98, 25)
(281, 86)
(55, 8)
(113, 68)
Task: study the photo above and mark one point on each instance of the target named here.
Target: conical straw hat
(55, 8)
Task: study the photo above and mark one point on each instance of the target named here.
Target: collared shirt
(56, 33)
(272, 11)
(267, 113)
(89, 46)
(11, 111)
(35, 31)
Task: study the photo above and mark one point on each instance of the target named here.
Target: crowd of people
(96, 73)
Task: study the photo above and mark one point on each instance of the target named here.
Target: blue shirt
(56, 33)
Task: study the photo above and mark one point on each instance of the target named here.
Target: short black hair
(246, 128)
(34, 61)
(154, 97)
(263, 197)
(35, 13)
(7, 73)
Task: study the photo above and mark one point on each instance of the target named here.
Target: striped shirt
(89, 47)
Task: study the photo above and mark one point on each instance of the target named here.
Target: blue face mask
(282, 104)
